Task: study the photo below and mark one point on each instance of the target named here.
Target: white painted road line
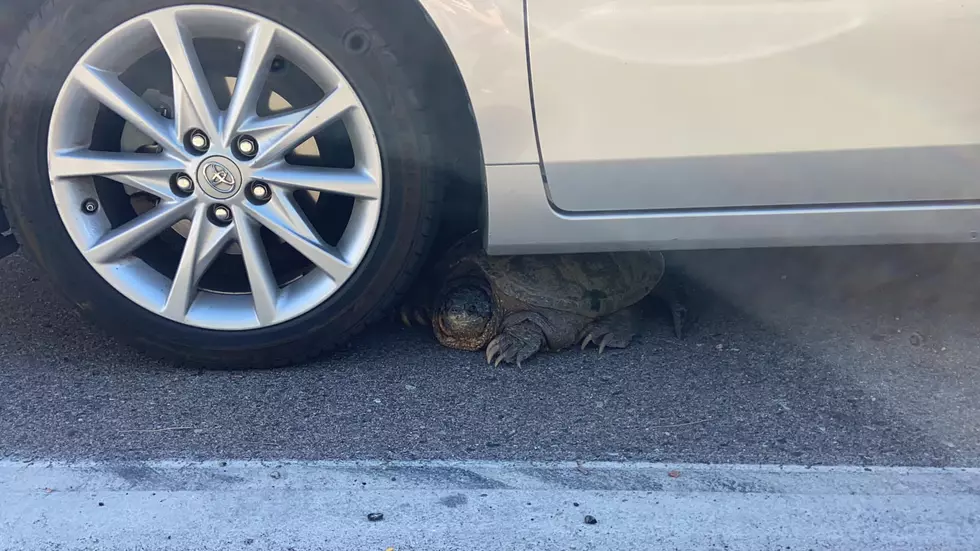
(165, 505)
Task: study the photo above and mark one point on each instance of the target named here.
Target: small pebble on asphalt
(275, 475)
(589, 519)
(375, 517)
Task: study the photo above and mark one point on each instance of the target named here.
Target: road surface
(856, 357)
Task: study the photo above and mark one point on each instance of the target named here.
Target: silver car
(249, 182)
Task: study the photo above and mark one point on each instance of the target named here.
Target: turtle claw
(501, 349)
(605, 341)
(615, 331)
(492, 350)
(508, 348)
(412, 315)
(599, 339)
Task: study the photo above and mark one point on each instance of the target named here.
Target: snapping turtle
(516, 306)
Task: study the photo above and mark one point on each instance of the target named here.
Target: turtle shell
(594, 284)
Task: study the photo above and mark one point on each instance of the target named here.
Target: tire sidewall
(48, 51)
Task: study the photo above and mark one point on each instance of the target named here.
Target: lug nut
(260, 192)
(90, 206)
(199, 141)
(183, 183)
(247, 146)
(221, 214)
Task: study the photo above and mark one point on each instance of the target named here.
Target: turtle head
(464, 314)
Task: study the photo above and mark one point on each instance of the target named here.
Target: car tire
(392, 95)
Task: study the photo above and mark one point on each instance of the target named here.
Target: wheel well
(459, 151)
(433, 66)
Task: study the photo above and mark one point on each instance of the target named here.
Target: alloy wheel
(226, 170)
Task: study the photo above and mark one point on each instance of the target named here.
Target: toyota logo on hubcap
(219, 177)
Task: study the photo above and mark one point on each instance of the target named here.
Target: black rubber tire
(392, 92)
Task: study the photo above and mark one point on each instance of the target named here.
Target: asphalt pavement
(823, 356)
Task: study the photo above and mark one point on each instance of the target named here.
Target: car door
(699, 104)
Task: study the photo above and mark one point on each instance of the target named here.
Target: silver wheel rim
(221, 176)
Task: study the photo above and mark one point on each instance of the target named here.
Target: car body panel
(522, 221)
(486, 38)
(703, 104)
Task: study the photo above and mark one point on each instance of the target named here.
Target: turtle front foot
(414, 315)
(615, 331)
(515, 344)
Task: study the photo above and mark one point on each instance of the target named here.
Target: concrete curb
(482, 505)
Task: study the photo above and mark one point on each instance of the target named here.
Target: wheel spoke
(185, 117)
(252, 74)
(125, 239)
(205, 241)
(284, 218)
(266, 129)
(194, 102)
(107, 88)
(326, 111)
(265, 290)
(149, 173)
(355, 183)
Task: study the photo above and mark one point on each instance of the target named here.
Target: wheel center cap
(219, 177)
